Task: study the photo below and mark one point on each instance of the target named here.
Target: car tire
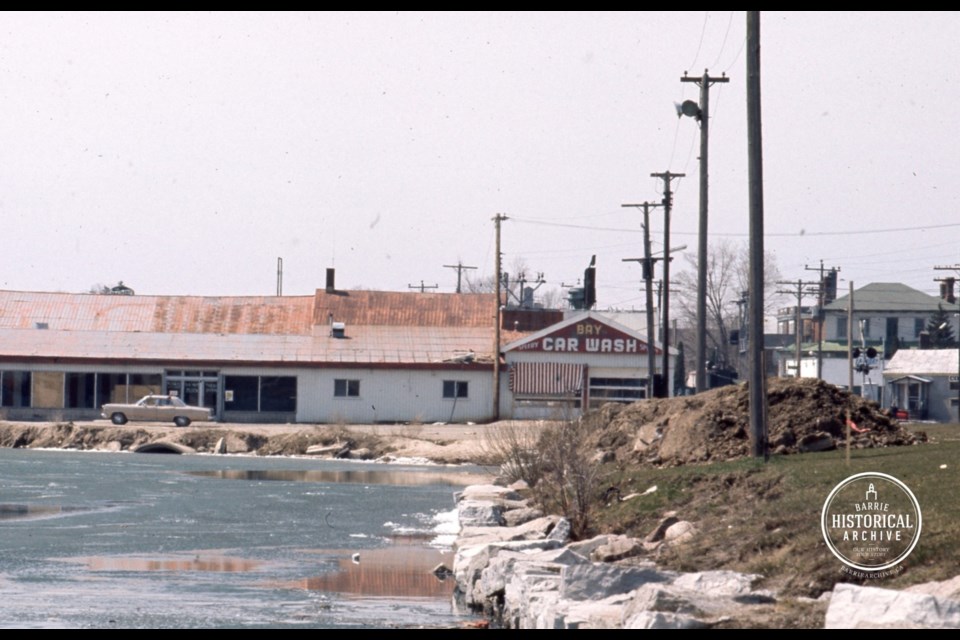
(118, 418)
(181, 421)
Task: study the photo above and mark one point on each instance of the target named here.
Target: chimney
(331, 288)
(946, 290)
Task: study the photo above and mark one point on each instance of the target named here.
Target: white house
(924, 383)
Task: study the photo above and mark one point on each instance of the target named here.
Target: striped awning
(546, 378)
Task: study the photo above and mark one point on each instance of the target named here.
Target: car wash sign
(586, 336)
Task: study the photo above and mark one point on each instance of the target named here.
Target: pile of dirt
(803, 415)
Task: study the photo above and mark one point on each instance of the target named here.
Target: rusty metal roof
(402, 308)
(270, 315)
(381, 328)
(365, 345)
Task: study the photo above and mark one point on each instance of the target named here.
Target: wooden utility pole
(666, 176)
(648, 262)
(423, 287)
(703, 117)
(497, 219)
(460, 267)
(758, 397)
(949, 296)
(798, 322)
(849, 361)
(850, 340)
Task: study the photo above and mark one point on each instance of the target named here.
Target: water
(127, 540)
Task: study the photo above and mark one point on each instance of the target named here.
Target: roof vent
(338, 330)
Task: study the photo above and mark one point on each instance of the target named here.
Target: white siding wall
(836, 372)
(393, 396)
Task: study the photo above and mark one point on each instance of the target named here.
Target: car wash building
(580, 363)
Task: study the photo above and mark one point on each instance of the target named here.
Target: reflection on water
(25, 511)
(353, 476)
(107, 540)
(398, 571)
(208, 562)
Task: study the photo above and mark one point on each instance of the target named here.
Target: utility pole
(702, 114)
(798, 322)
(423, 287)
(647, 272)
(757, 390)
(946, 292)
(850, 339)
(666, 176)
(460, 267)
(821, 301)
(497, 219)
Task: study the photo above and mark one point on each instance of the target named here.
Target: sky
(184, 153)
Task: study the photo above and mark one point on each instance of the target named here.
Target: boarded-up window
(144, 384)
(48, 389)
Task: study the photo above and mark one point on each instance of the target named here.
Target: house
(885, 313)
(335, 356)
(924, 382)
(887, 316)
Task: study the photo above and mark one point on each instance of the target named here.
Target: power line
(724, 43)
(703, 32)
(791, 234)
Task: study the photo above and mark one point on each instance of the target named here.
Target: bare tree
(728, 269)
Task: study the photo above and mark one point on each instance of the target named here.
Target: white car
(156, 409)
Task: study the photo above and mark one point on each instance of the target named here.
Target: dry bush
(516, 448)
(570, 476)
(556, 461)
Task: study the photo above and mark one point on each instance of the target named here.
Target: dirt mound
(803, 415)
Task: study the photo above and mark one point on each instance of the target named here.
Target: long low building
(336, 356)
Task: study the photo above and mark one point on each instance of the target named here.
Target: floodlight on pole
(688, 108)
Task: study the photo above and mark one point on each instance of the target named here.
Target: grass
(765, 518)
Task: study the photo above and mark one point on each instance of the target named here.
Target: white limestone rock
(856, 607)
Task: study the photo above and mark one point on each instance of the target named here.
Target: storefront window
(15, 388)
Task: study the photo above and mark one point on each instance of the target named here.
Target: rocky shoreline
(519, 568)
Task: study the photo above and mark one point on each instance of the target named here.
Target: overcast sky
(185, 152)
